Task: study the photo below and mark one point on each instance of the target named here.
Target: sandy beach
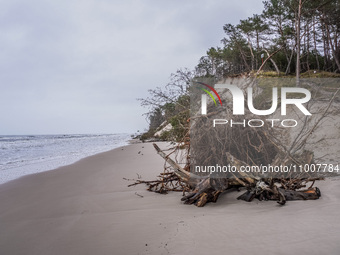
(87, 208)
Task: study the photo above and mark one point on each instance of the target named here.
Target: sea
(27, 154)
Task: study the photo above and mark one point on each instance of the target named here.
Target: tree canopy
(289, 37)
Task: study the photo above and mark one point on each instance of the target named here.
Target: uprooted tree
(243, 146)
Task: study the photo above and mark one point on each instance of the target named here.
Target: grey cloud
(78, 66)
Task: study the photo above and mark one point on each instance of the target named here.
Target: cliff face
(162, 129)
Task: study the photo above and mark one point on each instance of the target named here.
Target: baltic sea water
(27, 154)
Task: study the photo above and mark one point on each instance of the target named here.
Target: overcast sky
(77, 66)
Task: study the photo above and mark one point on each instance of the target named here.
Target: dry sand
(87, 208)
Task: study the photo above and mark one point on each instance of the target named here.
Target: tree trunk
(337, 61)
(290, 60)
(298, 43)
(315, 48)
(244, 59)
(273, 62)
(252, 54)
(269, 57)
(308, 46)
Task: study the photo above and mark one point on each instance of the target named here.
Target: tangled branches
(242, 147)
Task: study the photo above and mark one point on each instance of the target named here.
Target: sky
(78, 66)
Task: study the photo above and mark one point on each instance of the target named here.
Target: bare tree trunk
(273, 62)
(257, 49)
(279, 23)
(252, 54)
(290, 60)
(332, 48)
(315, 48)
(298, 43)
(308, 46)
(269, 57)
(324, 39)
(244, 58)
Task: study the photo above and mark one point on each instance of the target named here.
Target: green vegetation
(319, 74)
(290, 39)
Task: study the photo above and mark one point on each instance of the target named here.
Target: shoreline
(87, 208)
(31, 163)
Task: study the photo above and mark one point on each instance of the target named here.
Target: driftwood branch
(185, 176)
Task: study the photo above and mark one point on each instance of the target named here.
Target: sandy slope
(87, 208)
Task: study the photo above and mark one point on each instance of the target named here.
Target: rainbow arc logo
(209, 93)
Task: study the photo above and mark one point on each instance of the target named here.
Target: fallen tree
(206, 189)
(256, 147)
(201, 190)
